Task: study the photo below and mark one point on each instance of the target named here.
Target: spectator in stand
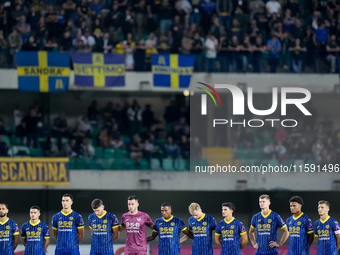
(14, 43)
(245, 51)
(281, 151)
(197, 50)
(78, 134)
(16, 15)
(217, 29)
(89, 41)
(3, 45)
(236, 30)
(234, 49)
(115, 137)
(246, 139)
(51, 19)
(17, 115)
(165, 17)
(30, 45)
(298, 51)
(134, 114)
(148, 116)
(106, 44)
(315, 19)
(140, 15)
(320, 39)
(33, 18)
(86, 149)
(172, 113)
(51, 44)
(254, 7)
(31, 127)
(128, 23)
(139, 55)
(274, 48)
(262, 22)
(186, 46)
(224, 8)
(163, 46)
(130, 45)
(281, 135)
(83, 10)
(92, 112)
(136, 149)
(184, 147)
(60, 127)
(66, 42)
(211, 45)
(70, 9)
(50, 148)
(293, 6)
(3, 130)
(3, 148)
(288, 20)
(258, 49)
(269, 150)
(85, 124)
(24, 28)
(115, 18)
(172, 150)
(66, 150)
(296, 31)
(149, 51)
(332, 50)
(96, 9)
(273, 6)
(223, 53)
(253, 31)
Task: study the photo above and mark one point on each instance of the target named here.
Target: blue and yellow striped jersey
(169, 232)
(202, 234)
(326, 231)
(267, 226)
(8, 229)
(102, 234)
(35, 235)
(67, 226)
(230, 232)
(299, 228)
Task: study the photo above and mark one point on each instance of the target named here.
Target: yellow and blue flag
(99, 70)
(172, 70)
(43, 71)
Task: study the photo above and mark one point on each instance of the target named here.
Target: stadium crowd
(225, 35)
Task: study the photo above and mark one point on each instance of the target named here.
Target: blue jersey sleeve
(114, 221)
(190, 224)
(80, 222)
(336, 227)
(309, 226)
(241, 229)
(90, 221)
(280, 222)
(253, 222)
(23, 231)
(54, 222)
(156, 226)
(213, 223)
(181, 225)
(15, 229)
(316, 234)
(218, 230)
(46, 232)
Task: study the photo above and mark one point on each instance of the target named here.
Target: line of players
(230, 233)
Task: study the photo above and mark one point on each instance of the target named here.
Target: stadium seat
(179, 164)
(118, 164)
(72, 163)
(6, 139)
(130, 164)
(255, 154)
(122, 153)
(167, 164)
(82, 164)
(106, 164)
(108, 153)
(37, 152)
(24, 150)
(242, 154)
(94, 164)
(155, 164)
(99, 152)
(144, 165)
(16, 140)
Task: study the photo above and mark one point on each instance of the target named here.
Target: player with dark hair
(68, 228)
(35, 234)
(327, 231)
(169, 229)
(266, 223)
(9, 238)
(135, 223)
(201, 225)
(300, 227)
(104, 229)
(229, 231)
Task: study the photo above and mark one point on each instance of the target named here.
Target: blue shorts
(67, 252)
(95, 253)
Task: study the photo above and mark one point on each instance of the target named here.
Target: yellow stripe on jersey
(115, 227)
(23, 237)
(216, 234)
(284, 226)
(309, 232)
(46, 237)
(253, 227)
(90, 227)
(155, 231)
(16, 233)
(54, 228)
(316, 235)
(184, 229)
(243, 233)
(80, 227)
